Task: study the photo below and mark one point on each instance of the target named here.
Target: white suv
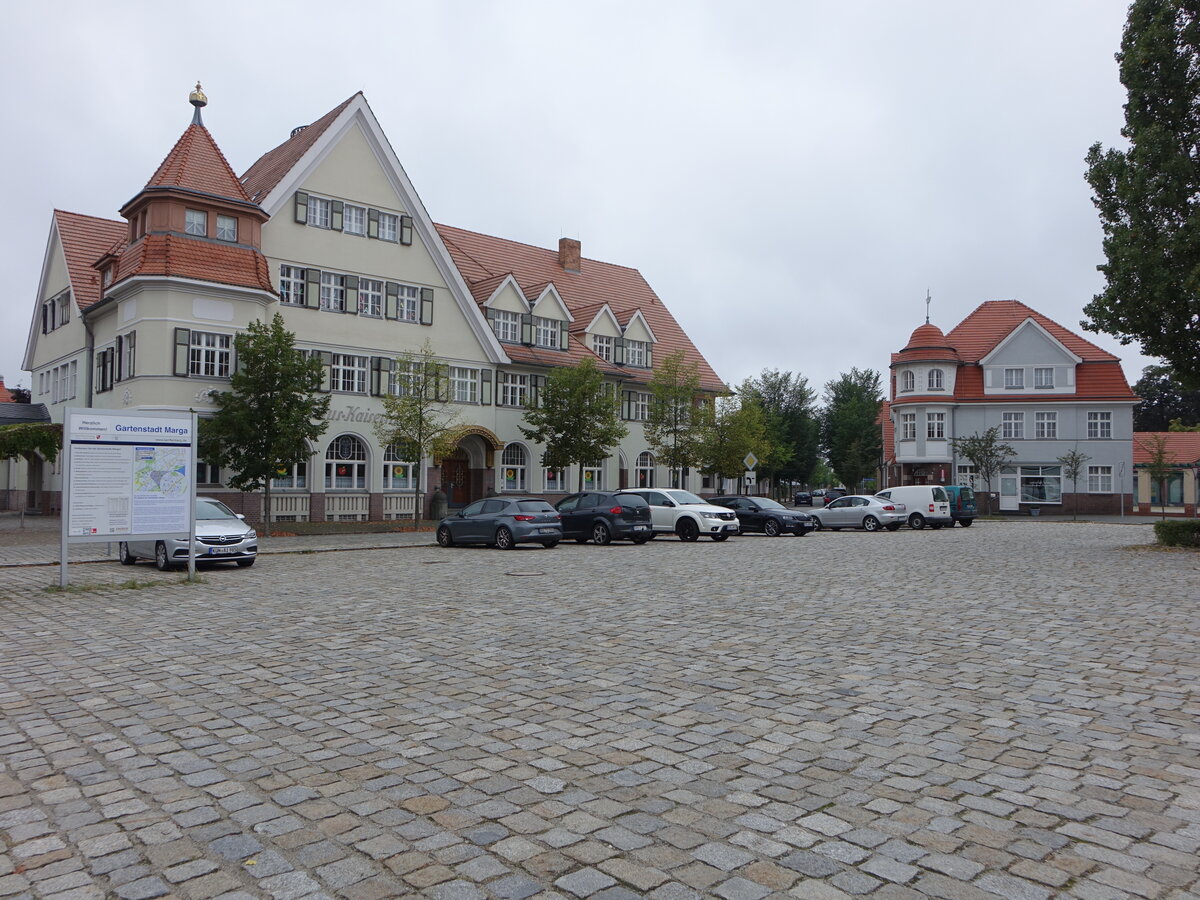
(683, 513)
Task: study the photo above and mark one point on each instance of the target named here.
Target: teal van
(962, 504)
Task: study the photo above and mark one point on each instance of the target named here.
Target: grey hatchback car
(503, 522)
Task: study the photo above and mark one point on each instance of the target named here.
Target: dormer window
(602, 346)
(107, 278)
(195, 221)
(908, 381)
(1014, 379)
(547, 332)
(227, 228)
(637, 353)
(507, 326)
(935, 380)
(1043, 377)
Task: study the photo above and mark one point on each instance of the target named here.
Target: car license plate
(547, 530)
(640, 527)
(219, 551)
(731, 528)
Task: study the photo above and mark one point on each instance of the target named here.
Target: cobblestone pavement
(1002, 711)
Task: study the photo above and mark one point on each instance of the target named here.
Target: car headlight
(250, 534)
(711, 515)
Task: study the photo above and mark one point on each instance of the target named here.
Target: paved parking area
(1007, 711)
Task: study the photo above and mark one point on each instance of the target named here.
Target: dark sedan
(503, 522)
(765, 515)
(605, 516)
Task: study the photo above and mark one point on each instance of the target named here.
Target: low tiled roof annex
(480, 256)
(1182, 447)
(84, 240)
(272, 166)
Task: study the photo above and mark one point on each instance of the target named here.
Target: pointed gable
(994, 320)
(84, 240)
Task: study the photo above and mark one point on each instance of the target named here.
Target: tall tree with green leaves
(1146, 194)
(30, 439)
(987, 453)
(853, 439)
(1164, 400)
(789, 411)
(1073, 463)
(678, 416)
(418, 419)
(738, 427)
(273, 408)
(574, 418)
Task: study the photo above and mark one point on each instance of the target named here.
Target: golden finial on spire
(197, 98)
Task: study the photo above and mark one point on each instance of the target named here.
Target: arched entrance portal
(467, 471)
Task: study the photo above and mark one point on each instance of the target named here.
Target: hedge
(1178, 533)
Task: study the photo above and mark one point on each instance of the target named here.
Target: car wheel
(246, 563)
(817, 526)
(895, 527)
(916, 521)
(720, 537)
(504, 538)
(160, 557)
(123, 554)
(772, 528)
(870, 523)
(444, 537)
(965, 523)
(641, 539)
(549, 545)
(600, 534)
(687, 530)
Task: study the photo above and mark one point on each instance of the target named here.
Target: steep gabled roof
(992, 321)
(273, 165)
(1182, 447)
(196, 163)
(480, 256)
(84, 240)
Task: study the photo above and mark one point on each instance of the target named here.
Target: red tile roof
(196, 163)
(183, 257)
(1182, 447)
(270, 168)
(992, 321)
(85, 239)
(481, 258)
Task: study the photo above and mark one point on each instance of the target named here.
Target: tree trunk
(267, 505)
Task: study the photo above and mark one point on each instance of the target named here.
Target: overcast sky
(790, 177)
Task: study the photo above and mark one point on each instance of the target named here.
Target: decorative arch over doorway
(467, 471)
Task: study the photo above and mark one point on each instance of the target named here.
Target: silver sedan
(860, 511)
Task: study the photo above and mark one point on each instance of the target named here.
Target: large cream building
(140, 313)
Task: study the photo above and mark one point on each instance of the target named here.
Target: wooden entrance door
(456, 478)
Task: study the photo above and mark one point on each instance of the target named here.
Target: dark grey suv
(605, 516)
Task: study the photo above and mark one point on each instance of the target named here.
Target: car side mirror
(461, 514)
(241, 516)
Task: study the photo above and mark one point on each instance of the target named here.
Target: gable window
(1014, 379)
(1100, 479)
(195, 221)
(318, 212)
(56, 312)
(226, 228)
(333, 291)
(397, 472)
(934, 379)
(1012, 426)
(210, 355)
(935, 426)
(348, 373)
(464, 384)
(637, 353)
(1045, 426)
(644, 470)
(507, 326)
(346, 464)
(354, 219)
(547, 332)
(1099, 426)
(370, 297)
(908, 426)
(291, 285)
(408, 303)
(514, 389)
(908, 381)
(514, 463)
(387, 226)
(602, 346)
(1043, 377)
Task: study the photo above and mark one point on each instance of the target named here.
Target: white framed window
(593, 476)
(291, 285)
(513, 466)
(1043, 377)
(935, 426)
(507, 326)
(227, 228)
(908, 426)
(291, 479)
(348, 373)
(936, 380)
(1100, 479)
(370, 297)
(1041, 484)
(354, 219)
(464, 384)
(387, 226)
(547, 332)
(514, 389)
(908, 382)
(56, 311)
(1045, 426)
(400, 379)
(63, 382)
(128, 348)
(346, 464)
(637, 353)
(1014, 379)
(1012, 426)
(602, 346)
(966, 475)
(644, 470)
(639, 406)
(556, 480)
(397, 472)
(333, 291)
(210, 355)
(318, 212)
(195, 221)
(408, 303)
(1099, 426)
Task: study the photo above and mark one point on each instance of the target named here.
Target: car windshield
(687, 498)
(213, 509)
(766, 503)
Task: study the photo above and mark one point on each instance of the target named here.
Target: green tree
(418, 420)
(738, 427)
(273, 408)
(1163, 400)
(20, 394)
(1073, 464)
(1160, 467)
(575, 418)
(987, 453)
(1146, 195)
(789, 412)
(678, 416)
(853, 439)
(28, 439)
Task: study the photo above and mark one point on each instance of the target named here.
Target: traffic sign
(751, 460)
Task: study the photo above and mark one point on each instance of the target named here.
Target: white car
(221, 536)
(673, 511)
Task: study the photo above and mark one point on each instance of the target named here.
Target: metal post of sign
(65, 456)
(192, 505)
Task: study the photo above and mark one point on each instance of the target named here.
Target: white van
(927, 503)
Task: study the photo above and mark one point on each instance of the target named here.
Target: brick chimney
(568, 254)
